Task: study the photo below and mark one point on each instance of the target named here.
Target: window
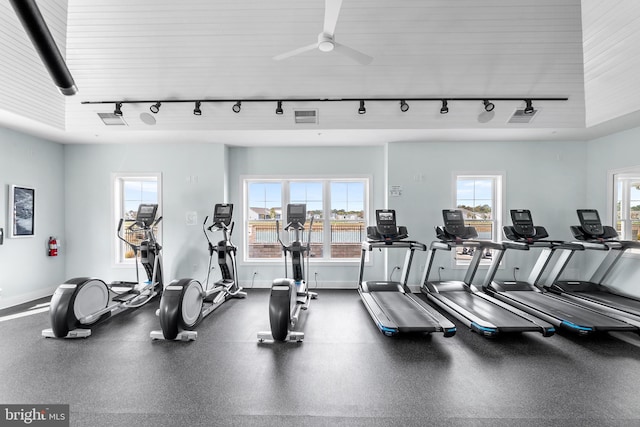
(130, 190)
(338, 208)
(626, 209)
(480, 199)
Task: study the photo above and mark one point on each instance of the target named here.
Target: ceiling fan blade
(356, 55)
(331, 13)
(295, 52)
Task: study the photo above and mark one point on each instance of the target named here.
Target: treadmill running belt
(490, 312)
(566, 311)
(405, 312)
(611, 300)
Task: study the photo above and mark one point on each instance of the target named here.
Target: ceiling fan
(326, 40)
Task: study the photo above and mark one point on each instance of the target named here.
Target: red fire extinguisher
(53, 246)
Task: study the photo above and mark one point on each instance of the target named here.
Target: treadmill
(480, 312)
(594, 236)
(391, 304)
(531, 297)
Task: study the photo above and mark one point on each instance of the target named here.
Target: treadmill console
(453, 221)
(222, 213)
(591, 227)
(386, 222)
(386, 228)
(523, 228)
(296, 214)
(147, 214)
(590, 222)
(454, 228)
(523, 222)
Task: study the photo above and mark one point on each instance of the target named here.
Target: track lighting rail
(487, 102)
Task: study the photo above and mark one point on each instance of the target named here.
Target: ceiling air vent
(111, 119)
(520, 117)
(306, 116)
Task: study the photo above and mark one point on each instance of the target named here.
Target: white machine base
(76, 333)
(291, 336)
(182, 335)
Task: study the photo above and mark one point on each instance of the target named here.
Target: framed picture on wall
(22, 211)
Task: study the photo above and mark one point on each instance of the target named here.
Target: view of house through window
(337, 207)
(129, 192)
(479, 198)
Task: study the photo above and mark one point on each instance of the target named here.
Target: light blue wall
(545, 177)
(192, 181)
(616, 151)
(312, 161)
(26, 272)
(73, 190)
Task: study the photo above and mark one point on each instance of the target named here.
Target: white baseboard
(21, 299)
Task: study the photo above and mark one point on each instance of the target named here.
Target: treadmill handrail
(407, 244)
(484, 244)
(522, 246)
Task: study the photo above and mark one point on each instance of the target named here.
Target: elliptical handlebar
(309, 235)
(284, 247)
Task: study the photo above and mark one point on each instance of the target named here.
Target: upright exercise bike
(289, 296)
(81, 302)
(184, 302)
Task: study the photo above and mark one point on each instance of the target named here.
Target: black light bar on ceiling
(37, 30)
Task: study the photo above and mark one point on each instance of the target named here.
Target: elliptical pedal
(128, 296)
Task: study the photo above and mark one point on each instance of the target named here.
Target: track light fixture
(445, 108)
(404, 102)
(488, 106)
(528, 109)
(362, 110)
(155, 107)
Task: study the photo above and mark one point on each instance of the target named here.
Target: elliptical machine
(184, 302)
(81, 302)
(289, 296)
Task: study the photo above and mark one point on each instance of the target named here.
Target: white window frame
(499, 192)
(117, 180)
(614, 176)
(285, 197)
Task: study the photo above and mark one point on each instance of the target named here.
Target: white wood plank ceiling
(224, 49)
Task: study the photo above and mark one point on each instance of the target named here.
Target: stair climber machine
(391, 304)
(184, 302)
(462, 299)
(531, 296)
(291, 295)
(80, 303)
(592, 235)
